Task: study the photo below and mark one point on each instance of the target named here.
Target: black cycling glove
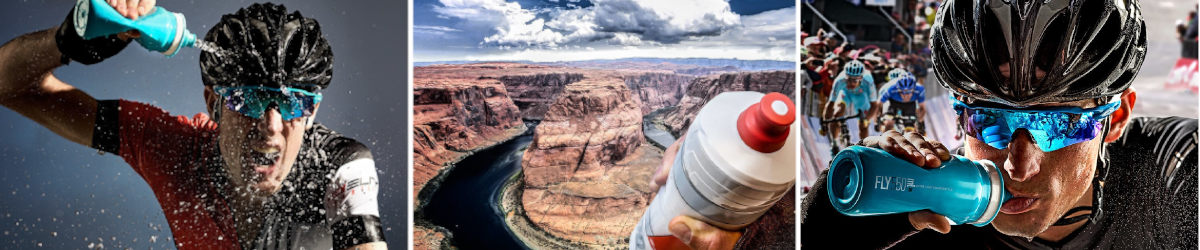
(87, 52)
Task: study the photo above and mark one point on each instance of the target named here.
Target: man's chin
(1022, 225)
(264, 189)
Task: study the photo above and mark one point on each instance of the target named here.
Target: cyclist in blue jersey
(906, 102)
(853, 94)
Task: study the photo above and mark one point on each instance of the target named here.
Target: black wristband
(87, 52)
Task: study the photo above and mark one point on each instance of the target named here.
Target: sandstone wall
(533, 94)
(453, 117)
(701, 90)
(657, 90)
(586, 173)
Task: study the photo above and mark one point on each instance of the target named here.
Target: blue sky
(563, 30)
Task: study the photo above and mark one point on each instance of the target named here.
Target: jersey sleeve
(884, 93)
(352, 196)
(871, 90)
(151, 140)
(839, 84)
(919, 94)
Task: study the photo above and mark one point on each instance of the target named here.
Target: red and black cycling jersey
(329, 199)
(1149, 202)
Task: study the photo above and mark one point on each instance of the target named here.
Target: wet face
(1044, 185)
(258, 153)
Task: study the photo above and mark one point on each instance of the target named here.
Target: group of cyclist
(855, 92)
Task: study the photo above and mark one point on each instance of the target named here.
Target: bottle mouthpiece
(765, 125)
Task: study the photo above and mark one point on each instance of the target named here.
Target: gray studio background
(60, 195)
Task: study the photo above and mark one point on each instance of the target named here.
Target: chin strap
(1097, 208)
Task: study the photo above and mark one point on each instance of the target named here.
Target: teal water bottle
(161, 30)
(867, 181)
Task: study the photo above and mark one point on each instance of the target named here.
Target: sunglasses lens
(1051, 130)
(253, 101)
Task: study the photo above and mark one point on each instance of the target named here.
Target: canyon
(585, 175)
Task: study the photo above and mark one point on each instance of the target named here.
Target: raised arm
(28, 86)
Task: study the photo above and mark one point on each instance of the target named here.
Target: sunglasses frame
(1097, 116)
(227, 93)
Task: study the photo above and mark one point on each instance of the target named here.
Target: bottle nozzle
(189, 40)
(764, 126)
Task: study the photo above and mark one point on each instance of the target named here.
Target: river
(466, 201)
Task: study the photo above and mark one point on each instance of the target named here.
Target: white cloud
(438, 30)
(667, 21)
(617, 29)
(507, 18)
(651, 21)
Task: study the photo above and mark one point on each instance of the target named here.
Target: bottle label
(893, 183)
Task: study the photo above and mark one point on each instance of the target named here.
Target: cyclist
(260, 173)
(1042, 90)
(896, 73)
(853, 95)
(905, 101)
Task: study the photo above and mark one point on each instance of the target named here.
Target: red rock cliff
(701, 90)
(452, 117)
(657, 90)
(586, 173)
(533, 94)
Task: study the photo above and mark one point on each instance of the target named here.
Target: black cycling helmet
(265, 45)
(1088, 49)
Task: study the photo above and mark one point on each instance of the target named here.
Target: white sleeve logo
(353, 191)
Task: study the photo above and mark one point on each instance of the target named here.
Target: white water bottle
(737, 161)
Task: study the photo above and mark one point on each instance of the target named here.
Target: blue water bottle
(161, 30)
(867, 181)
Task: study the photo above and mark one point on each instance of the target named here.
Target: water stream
(466, 203)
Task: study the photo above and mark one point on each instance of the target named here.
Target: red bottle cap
(764, 126)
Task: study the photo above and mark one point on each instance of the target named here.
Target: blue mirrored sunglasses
(253, 101)
(1052, 128)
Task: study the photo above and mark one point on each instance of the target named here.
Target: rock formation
(700, 90)
(586, 173)
(657, 90)
(453, 117)
(534, 93)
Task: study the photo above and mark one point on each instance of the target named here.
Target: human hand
(916, 149)
(698, 234)
(695, 233)
(132, 9)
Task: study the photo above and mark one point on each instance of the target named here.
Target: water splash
(212, 48)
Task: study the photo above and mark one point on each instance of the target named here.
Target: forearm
(28, 87)
(921, 112)
(25, 61)
(827, 111)
(873, 111)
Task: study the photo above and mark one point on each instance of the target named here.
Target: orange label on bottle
(667, 242)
